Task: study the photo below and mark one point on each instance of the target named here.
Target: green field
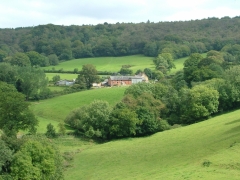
(206, 150)
(62, 76)
(112, 64)
(56, 109)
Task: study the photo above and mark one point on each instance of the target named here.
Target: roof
(124, 78)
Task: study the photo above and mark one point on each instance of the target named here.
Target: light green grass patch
(62, 76)
(58, 108)
(174, 154)
(42, 125)
(112, 64)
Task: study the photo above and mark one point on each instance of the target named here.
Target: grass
(206, 150)
(62, 76)
(56, 109)
(112, 64)
(179, 65)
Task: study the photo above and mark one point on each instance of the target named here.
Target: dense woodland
(206, 85)
(68, 42)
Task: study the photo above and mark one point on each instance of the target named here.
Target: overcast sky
(23, 13)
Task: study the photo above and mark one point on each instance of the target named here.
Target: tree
(37, 160)
(37, 59)
(81, 82)
(125, 71)
(20, 59)
(56, 78)
(33, 81)
(123, 122)
(148, 72)
(51, 132)
(190, 66)
(3, 54)
(6, 156)
(53, 59)
(198, 103)
(91, 120)
(164, 62)
(8, 73)
(14, 111)
(193, 60)
(89, 73)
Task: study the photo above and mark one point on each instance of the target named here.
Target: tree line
(180, 38)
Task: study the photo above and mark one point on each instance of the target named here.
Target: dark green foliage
(164, 62)
(3, 54)
(37, 159)
(53, 59)
(91, 120)
(51, 132)
(56, 78)
(148, 110)
(178, 81)
(20, 59)
(125, 71)
(123, 123)
(37, 59)
(148, 72)
(32, 81)
(197, 103)
(14, 111)
(6, 156)
(8, 73)
(87, 76)
(178, 38)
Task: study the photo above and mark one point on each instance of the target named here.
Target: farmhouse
(65, 82)
(126, 80)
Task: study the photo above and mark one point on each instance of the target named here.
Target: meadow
(57, 108)
(62, 76)
(206, 150)
(112, 64)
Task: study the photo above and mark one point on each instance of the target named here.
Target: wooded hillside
(68, 42)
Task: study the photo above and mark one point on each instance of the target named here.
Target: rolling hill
(206, 150)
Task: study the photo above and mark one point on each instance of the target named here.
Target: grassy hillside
(58, 108)
(182, 153)
(112, 64)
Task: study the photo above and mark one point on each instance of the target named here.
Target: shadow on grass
(233, 122)
(235, 130)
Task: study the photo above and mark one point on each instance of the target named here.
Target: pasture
(62, 76)
(206, 150)
(112, 64)
(57, 108)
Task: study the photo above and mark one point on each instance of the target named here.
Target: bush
(51, 133)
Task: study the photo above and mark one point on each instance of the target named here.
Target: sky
(28, 13)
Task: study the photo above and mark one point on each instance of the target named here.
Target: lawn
(112, 64)
(206, 150)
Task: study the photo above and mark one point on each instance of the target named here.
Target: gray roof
(125, 78)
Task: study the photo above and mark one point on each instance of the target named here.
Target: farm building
(126, 80)
(65, 82)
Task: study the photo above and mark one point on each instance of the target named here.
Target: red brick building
(124, 80)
